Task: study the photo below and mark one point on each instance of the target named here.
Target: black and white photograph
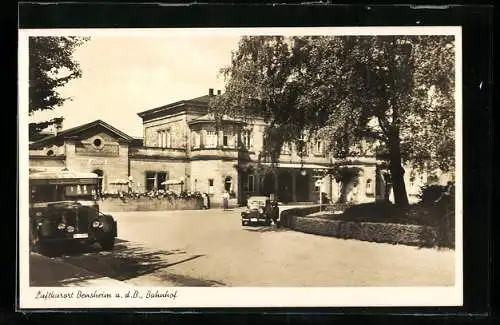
(240, 167)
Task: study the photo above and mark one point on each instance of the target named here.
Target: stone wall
(114, 167)
(145, 204)
(176, 124)
(218, 170)
(414, 235)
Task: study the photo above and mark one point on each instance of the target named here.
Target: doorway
(302, 187)
(268, 185)
(285, 186)
(228, 183)
(100, 174)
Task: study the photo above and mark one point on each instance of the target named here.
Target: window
(161, 177)
(154, 181)
(250, 183)
(150, 181)
(286, 148)
(168, 139)
(160, 139)
(369, 187)
(228, 183)
(164, 139)
(228, 138)
(301, 148)
(211, 186)
(318, 148)
(211, 139)
(195, 140)
(246, 139)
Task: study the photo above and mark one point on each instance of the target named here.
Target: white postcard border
(236, 296)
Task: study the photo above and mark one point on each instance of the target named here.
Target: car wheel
(33, 240)
(107, 244)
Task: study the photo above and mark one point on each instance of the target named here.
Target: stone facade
(184, 145)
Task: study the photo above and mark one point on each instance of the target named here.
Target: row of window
(249, 184)
(318, 149)
(229, 139)
(164, 139)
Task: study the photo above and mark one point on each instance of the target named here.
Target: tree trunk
(397, 174)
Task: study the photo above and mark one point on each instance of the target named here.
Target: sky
(126, 75)
(130, 71)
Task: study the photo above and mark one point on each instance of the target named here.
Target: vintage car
(260, 210)
(63, 208)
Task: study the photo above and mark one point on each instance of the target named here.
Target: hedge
(146, 204)
(393, 233)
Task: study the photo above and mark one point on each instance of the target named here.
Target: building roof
(198, 101)
(78, 129)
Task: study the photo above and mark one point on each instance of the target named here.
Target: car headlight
(96, 223)
(260, 210)
(61, 226)
(70, 229)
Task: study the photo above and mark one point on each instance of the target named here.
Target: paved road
(211, 248)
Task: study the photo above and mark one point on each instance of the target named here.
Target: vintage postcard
(240, 167)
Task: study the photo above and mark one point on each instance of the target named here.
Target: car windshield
(256, 203)
(52, 193)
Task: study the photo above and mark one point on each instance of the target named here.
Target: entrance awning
(173, 182)
(298, 166)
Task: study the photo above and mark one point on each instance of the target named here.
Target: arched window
(228, 183)
(100, 174)
(369, 187)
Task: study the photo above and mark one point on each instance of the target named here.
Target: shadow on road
(266, 229)
(182, 280)
(125, 262)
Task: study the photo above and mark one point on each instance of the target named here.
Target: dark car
(260, 210)
(63, 209)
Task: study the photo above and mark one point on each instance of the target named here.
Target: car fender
(109, 224)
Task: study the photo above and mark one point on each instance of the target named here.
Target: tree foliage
(51, 66)
(391, 93)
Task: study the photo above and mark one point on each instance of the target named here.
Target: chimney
(218, 92)
(210, 91)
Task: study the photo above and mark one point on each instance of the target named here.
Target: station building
(183, 149)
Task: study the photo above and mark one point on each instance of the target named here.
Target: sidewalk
(49, 272)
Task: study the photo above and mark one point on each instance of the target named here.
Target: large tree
(51, 66)
(395, 93)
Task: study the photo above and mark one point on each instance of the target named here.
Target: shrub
(369, 211)
(430, 193)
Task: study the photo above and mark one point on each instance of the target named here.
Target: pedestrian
(225, 200)
(205, 201)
